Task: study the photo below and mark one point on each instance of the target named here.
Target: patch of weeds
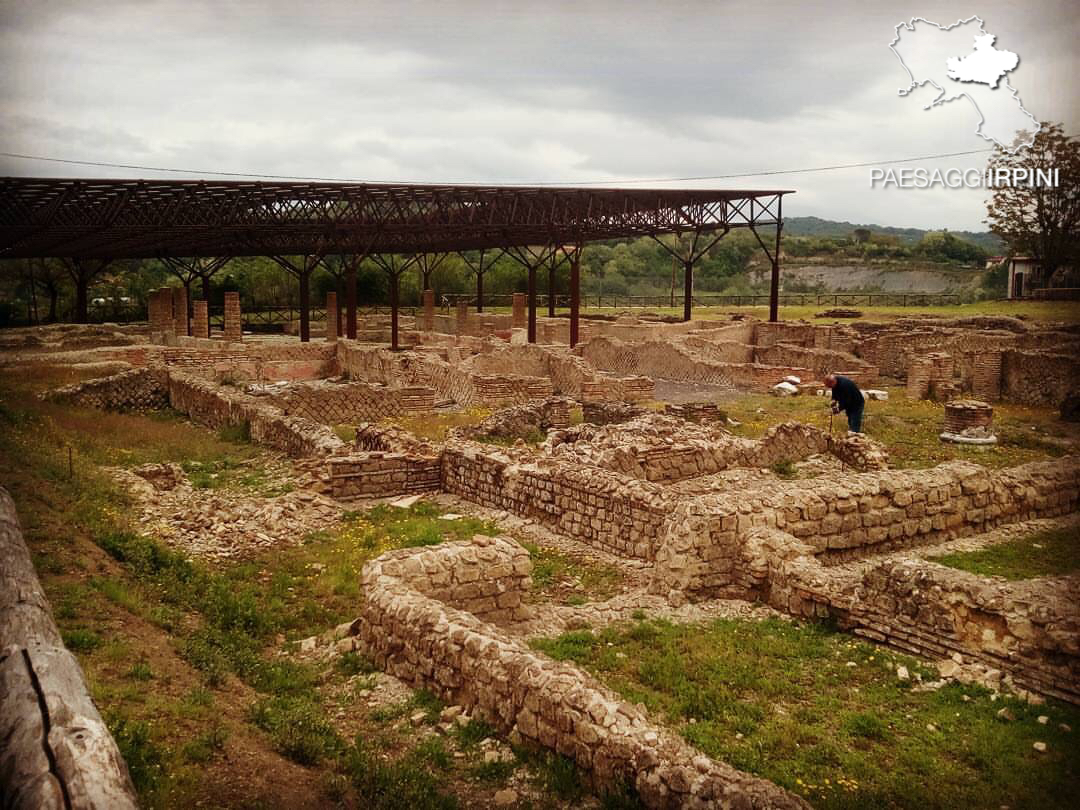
(389, 713)
(119, 593)
(140, 671)
(203, 748)
(81, 639)
(425, 701)
(298, 728)
(622, 796)
(237, 434)
(825, 716)
(469, 735)
(864, 724)
(493, 772)
(432, 751)
(353, 663)
(785, 469)
(403, 784)
(558, 775)
(144, 757)
(347, 433)
(1048, 553)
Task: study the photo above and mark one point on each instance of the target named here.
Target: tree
(1039, 221)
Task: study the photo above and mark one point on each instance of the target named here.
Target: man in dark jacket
(846, 397)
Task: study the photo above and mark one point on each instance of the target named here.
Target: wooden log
(55, 750)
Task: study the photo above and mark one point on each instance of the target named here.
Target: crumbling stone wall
(599, 507)
(1028, 629)
(819, 361)
(469, 662)
(847, 517)
(675, 361)
(216, 407)
(336, 403)
(1038, 378)
(656, 447)
(378, 474)
(141, 389)
(487, 576)
(518, 421)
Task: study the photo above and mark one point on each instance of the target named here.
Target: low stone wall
(848, 517)
(379, 474)
(675, 361)
(518, 421)
(656, 447)
(1028, 629)
(819, 361)
(337, 403)
(602, 508)
(141, 389)
(487, 576)
(469, 662)
(213, 405)
(1038, 378)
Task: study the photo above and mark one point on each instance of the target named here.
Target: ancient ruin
(621, 444)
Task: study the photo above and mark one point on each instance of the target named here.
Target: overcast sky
(518, 92)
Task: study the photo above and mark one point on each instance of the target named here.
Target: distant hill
(815, 226)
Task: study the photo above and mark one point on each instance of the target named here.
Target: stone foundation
(432, 644)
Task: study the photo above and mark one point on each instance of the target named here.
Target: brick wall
(140, 389)
(1038, 378)
(336, 403)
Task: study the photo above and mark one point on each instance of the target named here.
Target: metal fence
(836, 299)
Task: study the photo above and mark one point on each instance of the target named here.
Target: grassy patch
(406, 783)
(298, 728)
(910, 429)
(570, 580)
(785, 469)
(825, 715)
(1049, 553)
(435, 426)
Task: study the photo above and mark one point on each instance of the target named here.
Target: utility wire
(769, 173)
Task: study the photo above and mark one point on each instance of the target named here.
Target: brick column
(201, 326)
(986, 376)
(331, 316)
(234, 328)
(518, 317)
(180, 311)
(163, 322)
(429, 310)
(462, 317)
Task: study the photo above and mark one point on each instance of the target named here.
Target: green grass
(298, 728)
(1049, 553)
(569, 579)
(407, 783)
(779, 699)
(785, 469)
(910, 429)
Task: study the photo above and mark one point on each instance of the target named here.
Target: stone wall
(141, 389)
(487, 576)
(379, 474)
(599, 507)
(216, 406)
(519, 421)
(1027, 629)
(656, 447)
(848, 517)
(337, 403)
(1039, 378)
(495, 677)
(674, 361)
(819, 361)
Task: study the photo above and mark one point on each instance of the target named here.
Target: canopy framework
(116, 219)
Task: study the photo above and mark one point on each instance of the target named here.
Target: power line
(768, 173)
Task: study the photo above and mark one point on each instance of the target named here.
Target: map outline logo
(985, 57)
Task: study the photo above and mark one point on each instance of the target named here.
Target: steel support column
(350, 302)
(575, 297)
(774, 286)
(688, 288)
(532, 303)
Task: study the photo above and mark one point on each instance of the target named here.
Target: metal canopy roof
(118, 219)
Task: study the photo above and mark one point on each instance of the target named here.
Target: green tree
(1041, 222)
